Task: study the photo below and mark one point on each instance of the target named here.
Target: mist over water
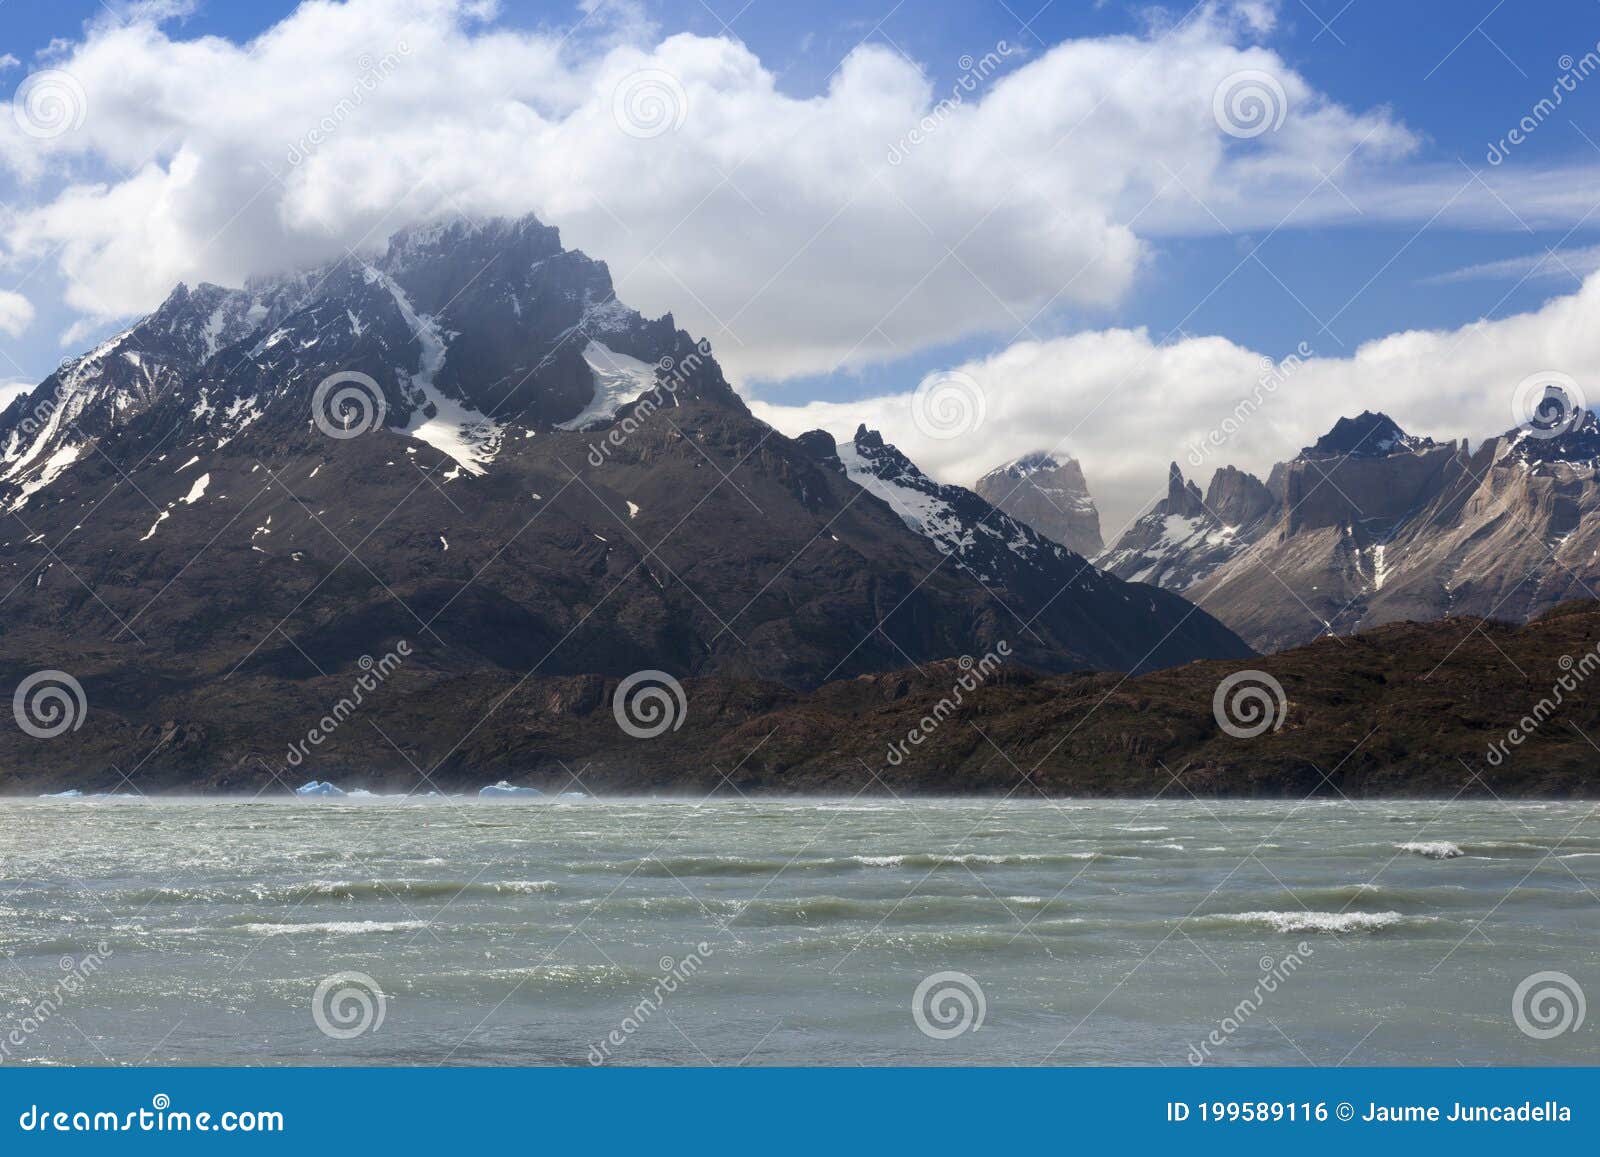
(792, 932)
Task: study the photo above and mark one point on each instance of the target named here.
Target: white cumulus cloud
(881, 215)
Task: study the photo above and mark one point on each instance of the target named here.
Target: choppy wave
(968, 859)
(1431, 849)
(350, 890)
(1319, 921)
(336, 927)
(733, 865)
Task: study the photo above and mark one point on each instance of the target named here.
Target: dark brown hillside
(1405, 710)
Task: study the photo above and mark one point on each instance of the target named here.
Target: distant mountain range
(1371, 525)
(1366, 526)
(469, 445)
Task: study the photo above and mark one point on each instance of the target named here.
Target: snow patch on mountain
(618, 380)
(923, 512)
(47, 473)
(452, 428)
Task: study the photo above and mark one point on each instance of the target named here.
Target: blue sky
(1455, 76)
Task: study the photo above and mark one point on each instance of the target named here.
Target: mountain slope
(468, 444)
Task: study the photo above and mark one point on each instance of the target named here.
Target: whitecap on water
(337, 927)
(1320, 921)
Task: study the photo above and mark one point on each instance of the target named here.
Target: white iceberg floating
(504, 790)
(316, 788)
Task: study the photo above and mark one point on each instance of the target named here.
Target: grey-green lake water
(442, 931)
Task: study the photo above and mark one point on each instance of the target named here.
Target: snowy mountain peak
(1025, 466)
(1577, 442)
(1368, 435)
(1047, 492)
(467, 328)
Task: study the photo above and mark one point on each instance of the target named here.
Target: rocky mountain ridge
(1047, 492)
(1371, 525)
(465, 442)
